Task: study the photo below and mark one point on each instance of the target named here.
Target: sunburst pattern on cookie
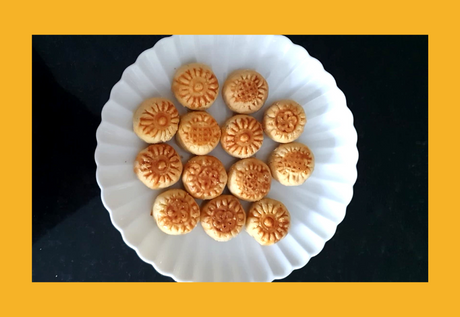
(158, 119)
(245, 91)
(284, 121)
(249, 179)
(195, 86)
(268, 221)
(158, 166)
(176, 212)
(223, 217)
(292, 163)
(204, 177)
(242, 136)
(199, 132)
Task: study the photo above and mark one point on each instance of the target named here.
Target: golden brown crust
(176, 212)
(245, 91)
(268, 221)
(242, 136)
(291, 164)
(158, 166)
(195, 86)
(198, 133)
(204, 177)
(249, 179)
(223, 217)
(156, 120)
(284, 121)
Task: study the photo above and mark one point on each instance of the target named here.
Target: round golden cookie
(156, 120)
(249, 179)
(195, 86)
(268, 221)
(176, 212)
(198, 133)
(292, 163)
(158, 166)
(284, 121)
(242, 136)
(204, 177)
(245, 91)
(223, 217)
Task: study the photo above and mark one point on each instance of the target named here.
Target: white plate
(316, 207)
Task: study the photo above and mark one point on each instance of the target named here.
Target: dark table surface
(384, 236)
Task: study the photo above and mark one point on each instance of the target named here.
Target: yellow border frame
(19, 21)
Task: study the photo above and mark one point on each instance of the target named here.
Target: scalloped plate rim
(274, 276)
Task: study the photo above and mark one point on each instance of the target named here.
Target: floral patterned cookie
(158, 166)
(176, 212)
(242, 136)
(223, 217)
(284, 121)
(195, 86)
(204, 177)
(268, 221)
(156, 120)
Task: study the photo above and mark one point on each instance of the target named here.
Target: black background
(384, 236)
